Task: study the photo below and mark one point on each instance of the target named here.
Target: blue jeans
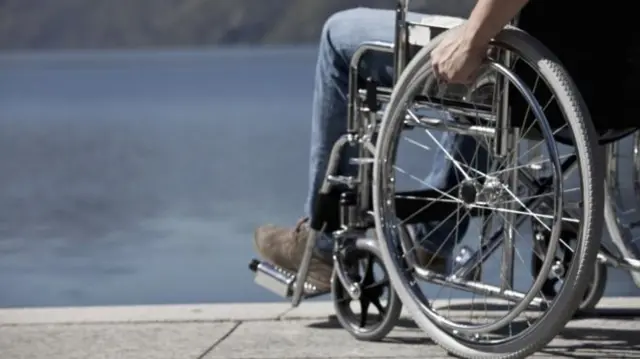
(341, 36)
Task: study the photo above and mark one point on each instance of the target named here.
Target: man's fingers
(435, 68)
(436, 71)
(440, 73)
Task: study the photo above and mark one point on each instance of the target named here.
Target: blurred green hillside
(57, 24)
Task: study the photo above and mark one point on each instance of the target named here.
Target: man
(455, 60)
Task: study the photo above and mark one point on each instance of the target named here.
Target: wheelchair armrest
(430, 26)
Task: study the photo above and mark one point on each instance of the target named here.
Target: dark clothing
(597, 45)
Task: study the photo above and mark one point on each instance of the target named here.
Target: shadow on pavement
(594, 342)
(605, 333)
(395, 337)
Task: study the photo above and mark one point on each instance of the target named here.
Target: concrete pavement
(265, 331)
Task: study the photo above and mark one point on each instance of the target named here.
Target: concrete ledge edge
(224, 312)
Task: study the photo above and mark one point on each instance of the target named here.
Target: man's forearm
(489, 17)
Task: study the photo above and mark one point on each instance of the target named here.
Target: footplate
(279, 280)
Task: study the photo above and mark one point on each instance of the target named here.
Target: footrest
(279, 280)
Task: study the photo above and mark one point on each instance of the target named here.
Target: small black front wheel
(375, 313)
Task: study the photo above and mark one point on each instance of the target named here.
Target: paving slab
(153, 313)
(317, 339)
(268, 331)
(111, 341)
(615, 334)
(614, 337)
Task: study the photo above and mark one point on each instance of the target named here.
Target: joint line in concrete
(220, 340)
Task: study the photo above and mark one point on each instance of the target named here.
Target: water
(137, 177)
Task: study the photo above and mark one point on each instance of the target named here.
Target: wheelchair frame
(356, 218)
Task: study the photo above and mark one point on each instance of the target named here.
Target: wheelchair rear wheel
(495, 191)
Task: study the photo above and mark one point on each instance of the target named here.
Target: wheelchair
(546, 177)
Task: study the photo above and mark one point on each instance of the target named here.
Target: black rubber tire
(346, 320)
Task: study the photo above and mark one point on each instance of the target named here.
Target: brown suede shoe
(284, 247)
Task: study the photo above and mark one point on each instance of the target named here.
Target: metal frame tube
(400, 39)
(509, 247)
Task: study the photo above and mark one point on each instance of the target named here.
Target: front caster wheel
(597, 285)
(376, 312)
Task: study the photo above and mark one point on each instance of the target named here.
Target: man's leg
(342, 34)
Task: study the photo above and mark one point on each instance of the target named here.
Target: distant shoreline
(49, 25)
(158, 49)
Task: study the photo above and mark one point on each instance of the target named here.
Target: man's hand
(456, 59)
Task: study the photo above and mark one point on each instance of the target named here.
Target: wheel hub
(558, 270)
(491, 192)
(468, 191)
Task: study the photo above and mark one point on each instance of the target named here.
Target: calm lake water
(137, 177)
